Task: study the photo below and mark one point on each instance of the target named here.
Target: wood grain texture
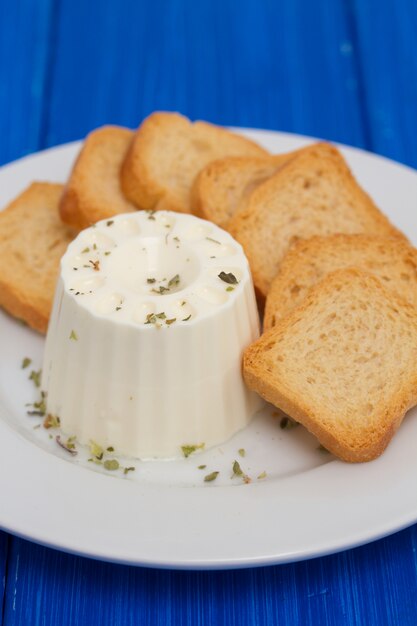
(26, 40)
(284, 65)
(5, 542)
(384, 38)
(375, 584)
(343, 71)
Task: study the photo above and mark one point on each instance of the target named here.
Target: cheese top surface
(153, 268)
(151, 315)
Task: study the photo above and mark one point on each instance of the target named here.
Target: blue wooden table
(344, 70)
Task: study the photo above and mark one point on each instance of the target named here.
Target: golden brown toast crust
(93, 190)
(307, 262)
(305, 383)
(223, 184)
(167, 153)
(32, 241)
(313, 194)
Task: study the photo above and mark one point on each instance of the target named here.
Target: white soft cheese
(145, 342)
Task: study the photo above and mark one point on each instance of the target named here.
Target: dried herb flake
(210, 477)
(51, 421)
(287, 423)
(36, 377)
(111, 465)
(189, 449)
(175, 280)
(228, 278)
(68, 445)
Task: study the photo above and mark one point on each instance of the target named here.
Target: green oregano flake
(95, 460)
(39, 406)
(262, 475)
(109, 222)
(201, 467)
(111, 465)
(151, 281)
(152, 318)
(69, 445)
(26, 362)
(230, 288)
(190, 448)
(36, 377)
(160, 290)
(151, 214)
(213, 240)
(128, 469)
(186, 318)
(110, 449)
(242, 452)
(237, 470)
(174, 281)
(228, 278)
(96, 450)
(171, 321)
(210, 477)
(73, 336)
(85, 250)
(287, 423)
(51, 421)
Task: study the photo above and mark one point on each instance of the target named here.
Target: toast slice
(313, 194)
(167, 153)
(343, 363)
(32, 242)
(93, 190)
(307, 262)
(224, 184)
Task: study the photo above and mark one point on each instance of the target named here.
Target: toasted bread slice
(343, 363)
(223, 185)
(313, 194)
(32, 241)
(307, 262)
(167, 153)
(93, 190)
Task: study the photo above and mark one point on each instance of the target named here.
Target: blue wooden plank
(26, 29)
(296, 66)
(4, 547)
(286, 65)
(375, 584)
(386, 35)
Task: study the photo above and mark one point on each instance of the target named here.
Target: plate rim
(404, 520)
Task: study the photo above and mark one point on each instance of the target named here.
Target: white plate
(164, 514)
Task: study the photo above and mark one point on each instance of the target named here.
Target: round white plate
(164, 514)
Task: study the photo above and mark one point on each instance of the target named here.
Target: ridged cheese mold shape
(151, 315)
